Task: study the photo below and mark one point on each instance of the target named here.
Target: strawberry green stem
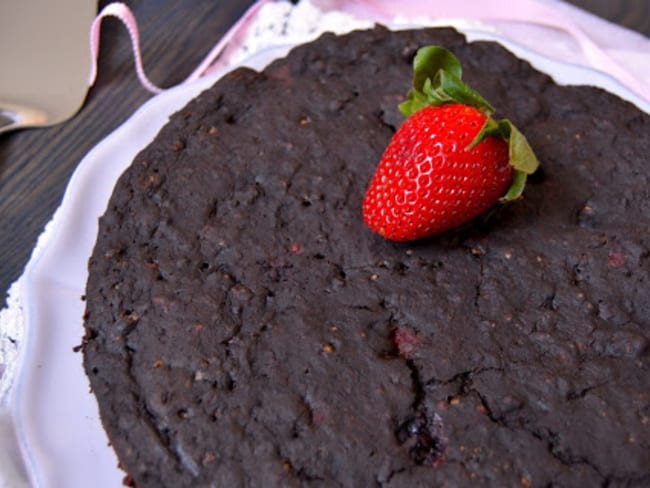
(437, 80)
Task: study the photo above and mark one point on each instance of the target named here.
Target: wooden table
(36, 164)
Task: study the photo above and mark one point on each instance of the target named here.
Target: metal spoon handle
(14, 117)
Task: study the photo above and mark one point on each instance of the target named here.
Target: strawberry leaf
(437, 80)
(520, 154)
(459, 91)
(491, 128)
(431, 59)
(415, 100)
(516, 187)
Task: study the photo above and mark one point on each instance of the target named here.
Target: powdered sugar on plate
(11, 334)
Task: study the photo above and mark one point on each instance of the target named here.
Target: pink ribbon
(123, 13)
(523, 11)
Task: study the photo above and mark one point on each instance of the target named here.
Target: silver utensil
(44, 60)
(15, 117)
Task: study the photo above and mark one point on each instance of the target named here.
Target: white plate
(59, 430)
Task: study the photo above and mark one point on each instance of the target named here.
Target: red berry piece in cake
(406, 342)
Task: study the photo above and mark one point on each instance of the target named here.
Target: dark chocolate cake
(244, 328)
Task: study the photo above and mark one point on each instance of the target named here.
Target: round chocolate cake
(244, 328)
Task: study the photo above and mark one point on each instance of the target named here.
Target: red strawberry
(449, 162)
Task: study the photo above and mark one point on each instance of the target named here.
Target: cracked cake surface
(243, 327)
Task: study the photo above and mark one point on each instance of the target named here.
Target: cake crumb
(407, 342)
(478, 250)
(295, 248)
(209, 458)
(615, 259)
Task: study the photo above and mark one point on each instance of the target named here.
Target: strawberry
(449, 162)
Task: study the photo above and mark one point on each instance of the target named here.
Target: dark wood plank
(633, 14)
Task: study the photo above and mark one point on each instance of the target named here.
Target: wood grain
(36, 164)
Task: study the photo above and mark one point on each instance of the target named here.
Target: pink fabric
(524, 11)
(547, 13)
